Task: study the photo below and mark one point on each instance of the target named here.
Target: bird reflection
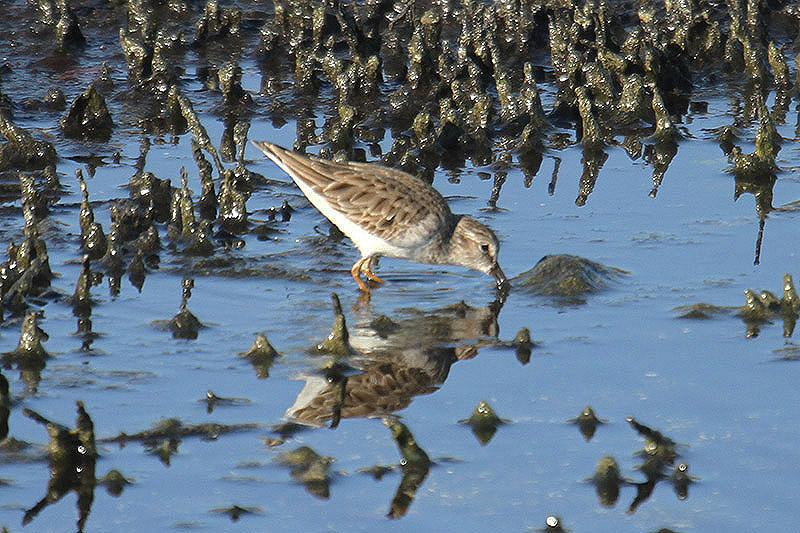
(401, 359)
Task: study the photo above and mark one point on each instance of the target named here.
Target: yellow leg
(366, 270)
(356, 273)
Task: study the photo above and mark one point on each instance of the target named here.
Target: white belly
(367, 243)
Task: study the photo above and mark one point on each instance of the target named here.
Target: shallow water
(730, 401)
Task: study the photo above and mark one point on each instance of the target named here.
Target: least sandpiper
(388, 212)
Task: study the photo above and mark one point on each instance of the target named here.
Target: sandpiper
(388, 212)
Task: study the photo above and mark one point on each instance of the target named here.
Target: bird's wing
(388, 203)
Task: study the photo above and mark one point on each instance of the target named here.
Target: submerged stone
(236, 511)
(185, 325)
(701, 311)
(484, 422)
(523, 344)
(261, 354)
(114, 482)
(384, 325)
(587, 422)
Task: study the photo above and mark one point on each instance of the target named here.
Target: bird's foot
(366, 269)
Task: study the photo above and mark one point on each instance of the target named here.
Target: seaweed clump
(462, 84)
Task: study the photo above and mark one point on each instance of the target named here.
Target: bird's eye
(485, 248)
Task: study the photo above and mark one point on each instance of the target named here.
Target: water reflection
(87, 335)
(760, 185)
(212, 400)
(398, 360)
(5, 407)
(310, 469)
(755, 173)
(415, 466)
(484, 422)
(659, 454)
(587, 422)
(660, 155)
(72, 456)
(607, 481)
(593, 160)
(82, 303)
(235, 512)
(164, 437)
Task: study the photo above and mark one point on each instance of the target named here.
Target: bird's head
(475, 246)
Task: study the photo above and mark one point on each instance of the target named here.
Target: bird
(388, 212)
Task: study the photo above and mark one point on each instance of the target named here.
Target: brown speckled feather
(372, 196)
(383, 387)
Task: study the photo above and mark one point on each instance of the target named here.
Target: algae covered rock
(567, 278)
(21, 151)
(88, 117)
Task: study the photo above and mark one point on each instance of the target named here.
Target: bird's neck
(445, 242)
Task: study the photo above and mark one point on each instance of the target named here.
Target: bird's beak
(499, 276)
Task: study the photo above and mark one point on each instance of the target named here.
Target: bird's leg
(365, 268)
(356, 273)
